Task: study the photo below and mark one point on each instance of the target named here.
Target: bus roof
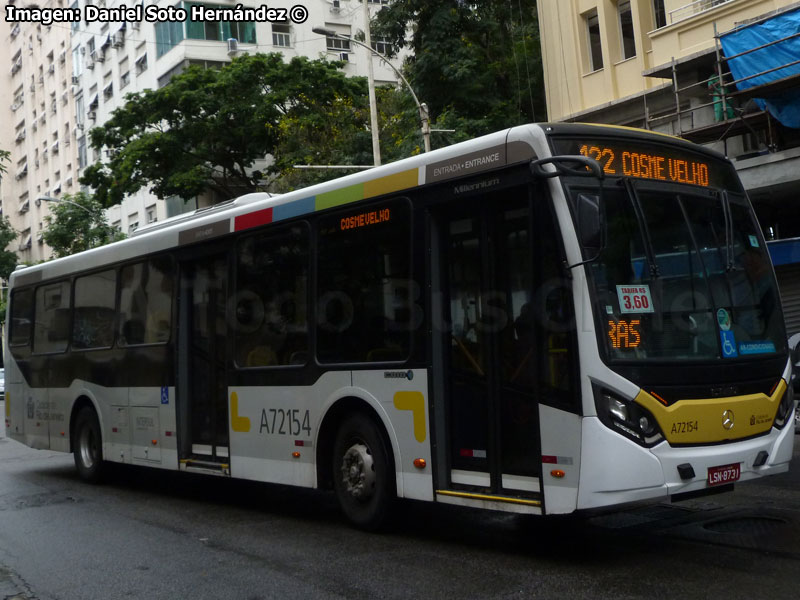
(487, 153)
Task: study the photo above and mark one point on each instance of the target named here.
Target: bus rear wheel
(87, 446)
(362, 473)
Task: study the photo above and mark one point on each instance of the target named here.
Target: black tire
(87, 446)
(363, 473)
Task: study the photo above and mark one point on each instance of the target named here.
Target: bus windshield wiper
(646, 239)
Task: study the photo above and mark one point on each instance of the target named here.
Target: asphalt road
(152, 534)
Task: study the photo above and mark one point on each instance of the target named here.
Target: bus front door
(202, 389)
(491, 413)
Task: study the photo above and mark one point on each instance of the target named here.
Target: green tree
(476, 64)
(4, 155)
(77, 223)
(205, 130)
(8, 258)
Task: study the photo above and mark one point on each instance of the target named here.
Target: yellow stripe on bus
(391, 183)
(488, 498)
(709, 420)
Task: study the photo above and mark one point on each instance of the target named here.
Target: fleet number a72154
(279, 421)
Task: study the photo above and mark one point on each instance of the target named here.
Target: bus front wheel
(87, 446)
(362, 473)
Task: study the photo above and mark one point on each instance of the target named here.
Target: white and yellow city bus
(547, 319)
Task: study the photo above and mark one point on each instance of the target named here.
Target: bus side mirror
(591, 224)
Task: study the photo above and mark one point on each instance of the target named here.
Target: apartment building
(658, 64)
(37, 125)
(103, 61)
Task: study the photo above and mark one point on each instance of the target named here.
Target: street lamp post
(41, 199)
(421, 106)
(373, 103)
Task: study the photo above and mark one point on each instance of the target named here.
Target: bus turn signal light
(295, 455)
(420, 463)
(557, 473)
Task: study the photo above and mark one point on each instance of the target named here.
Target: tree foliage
(4, 155)
(476, 64)
(8, 258)
(77, 223)
(205, 130)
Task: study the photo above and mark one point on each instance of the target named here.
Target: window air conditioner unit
(233, 46)
(119, 39)
(92, 115)
(51, 68)
(336, 4)
(75, 80)
(90, 64)
(135, 25)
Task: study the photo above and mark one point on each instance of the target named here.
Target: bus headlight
(785, 408)
(627, 418)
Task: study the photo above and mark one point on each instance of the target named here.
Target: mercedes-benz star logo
(727, 419)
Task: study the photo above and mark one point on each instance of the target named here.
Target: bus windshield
(683, 275)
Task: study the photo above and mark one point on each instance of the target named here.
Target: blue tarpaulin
(786, 106)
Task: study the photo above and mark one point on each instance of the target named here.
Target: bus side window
(145, 302)
(93, 323)
(271, 299)
(21, 314)
(365, 291)
(51, 329)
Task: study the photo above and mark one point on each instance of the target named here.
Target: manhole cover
(750, 525)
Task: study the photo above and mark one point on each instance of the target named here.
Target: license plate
(724, 474)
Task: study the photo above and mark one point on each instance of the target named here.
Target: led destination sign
(619, 161)
(658, 162)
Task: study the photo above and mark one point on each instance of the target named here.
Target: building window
(141, 64)
(82, 152)
(218, 31)
(595, 46)
(627, 42)
(168, 35)
(382, 45)
(337, 43)
(281, 35)
(659, 13)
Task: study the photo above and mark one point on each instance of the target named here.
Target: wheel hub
(358, 472)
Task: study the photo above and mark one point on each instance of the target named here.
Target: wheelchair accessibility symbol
(728, 344)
